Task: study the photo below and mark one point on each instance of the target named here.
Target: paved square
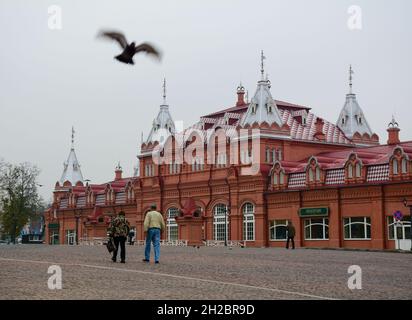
(205, 273)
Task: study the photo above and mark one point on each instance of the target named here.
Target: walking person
(290, 229)
(131, 237)
(119, 229)
(153, 225)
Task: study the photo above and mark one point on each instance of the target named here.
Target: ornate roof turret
(163, 125)
(71, 171)
(351, 119)
(262, 107)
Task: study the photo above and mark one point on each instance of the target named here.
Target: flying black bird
(129, 50)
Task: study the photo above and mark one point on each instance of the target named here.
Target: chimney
(319, 130)
(393, 132)
(118, 172)
(240, 96)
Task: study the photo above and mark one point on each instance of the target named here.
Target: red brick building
(238, 175)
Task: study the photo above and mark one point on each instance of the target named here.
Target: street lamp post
(77, 216)
(405, 203)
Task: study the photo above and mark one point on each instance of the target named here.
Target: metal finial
(118, 166)
(393, 123)
(73, 132)
(262, 69)
(164, 90)
(351, 72)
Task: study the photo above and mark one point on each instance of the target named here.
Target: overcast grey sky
(53, 79)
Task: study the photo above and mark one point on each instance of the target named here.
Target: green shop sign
(314, 212)
(54, 226)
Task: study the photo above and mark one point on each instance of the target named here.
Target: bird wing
(117, 36)
(148, 48)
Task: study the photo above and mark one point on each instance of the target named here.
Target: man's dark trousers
(293, 242)
(119, 241)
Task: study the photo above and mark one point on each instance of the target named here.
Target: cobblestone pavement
(205, 273)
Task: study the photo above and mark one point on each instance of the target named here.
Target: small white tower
(351, 119)
(262, 107)
(163, 125)
(71, 171)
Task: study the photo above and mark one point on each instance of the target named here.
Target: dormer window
(353, 167)
(278, 175)
(358, 170)
(343, 121)
(404, 165)
(313, 171)
(395, 166)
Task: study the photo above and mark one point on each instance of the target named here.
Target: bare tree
(19, 199)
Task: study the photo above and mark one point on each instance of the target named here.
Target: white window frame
(273, 224)
(392, 224)
(395, 166)
(404, 165)
(350, 171)
(172, 227)
(219, 212)
(248, 211)
(323, 224)
(70, 238)
(350, 223)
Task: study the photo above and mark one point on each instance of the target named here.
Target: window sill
(362, 239)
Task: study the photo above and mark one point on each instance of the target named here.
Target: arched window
(278, 174)
(171, 225)
(274, 158)
(395, 166)
(350, 171)
(220, 222)
(310, 175)
(404, 165)
(275, 179)
(317, 174)
(358, 169)
(248, 222)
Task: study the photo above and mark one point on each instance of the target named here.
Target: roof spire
(262, 68)
(393, 123)
(73, 132)
(351, 72)
(164, 91)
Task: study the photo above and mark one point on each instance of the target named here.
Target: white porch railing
(92, 241)
(172, 243)
(219, 243)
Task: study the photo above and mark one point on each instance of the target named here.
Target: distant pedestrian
(119, 229)
(131, 237)
(290, 229)
(153, 225)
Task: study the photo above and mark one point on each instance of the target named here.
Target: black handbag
(110, 245)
